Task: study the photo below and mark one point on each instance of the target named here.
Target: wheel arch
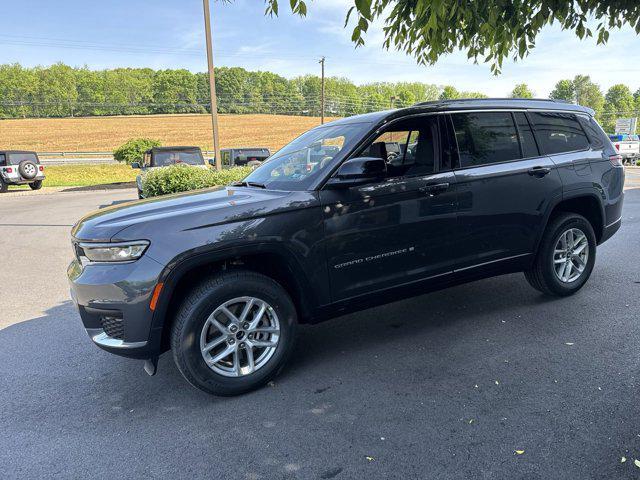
(273, 261)
(585, 203)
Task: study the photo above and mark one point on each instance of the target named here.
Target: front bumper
(113, 301)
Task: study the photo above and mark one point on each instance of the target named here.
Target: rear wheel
(233, 333)
(37, 185)
(566, 256)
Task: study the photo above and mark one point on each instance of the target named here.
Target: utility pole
(212, 84)
(321, 62)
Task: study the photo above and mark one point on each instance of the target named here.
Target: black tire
(542, 275)
(37, 185)
(201, 302)
(3, 186)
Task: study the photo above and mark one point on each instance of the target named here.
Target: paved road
(447, 385)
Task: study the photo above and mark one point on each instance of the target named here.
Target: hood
(183, 211)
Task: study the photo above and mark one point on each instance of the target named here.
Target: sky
(130, 33)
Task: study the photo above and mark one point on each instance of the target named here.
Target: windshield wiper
(249, 184)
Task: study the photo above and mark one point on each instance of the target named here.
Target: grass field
(84, 175)
(107, 133)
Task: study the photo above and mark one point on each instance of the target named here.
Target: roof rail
(430, 102)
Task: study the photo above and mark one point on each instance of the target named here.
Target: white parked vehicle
(628, 146)
(19, 168)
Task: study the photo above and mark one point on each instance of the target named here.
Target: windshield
(297, 165)
(163, 159)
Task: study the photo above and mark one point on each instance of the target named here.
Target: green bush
(182, 178)
(134, 150)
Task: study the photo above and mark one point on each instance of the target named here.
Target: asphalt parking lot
(485, 380)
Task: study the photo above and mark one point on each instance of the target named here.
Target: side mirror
(135, 165)
(358, 171)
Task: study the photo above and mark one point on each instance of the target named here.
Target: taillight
(8, 170)
(616, 160)
(617, 145)
(41, 168)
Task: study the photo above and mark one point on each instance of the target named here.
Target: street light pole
(322, 93)
(212, 84)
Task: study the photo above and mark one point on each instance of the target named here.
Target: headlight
(111, 252)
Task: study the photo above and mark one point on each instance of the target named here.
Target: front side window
(297, 165)
(409, 147)
(3, 160)
(559, 132)
(485, 137)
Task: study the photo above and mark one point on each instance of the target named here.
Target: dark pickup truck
(159, 157)
(336, 222)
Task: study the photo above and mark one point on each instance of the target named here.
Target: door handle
(434, 189)
(539, 171)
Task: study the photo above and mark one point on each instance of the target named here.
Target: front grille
(112, 326)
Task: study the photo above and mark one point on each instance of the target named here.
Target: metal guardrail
(75, 154)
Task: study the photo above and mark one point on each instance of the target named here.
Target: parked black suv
(355, 213)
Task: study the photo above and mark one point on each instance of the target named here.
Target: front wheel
(233, 333)
(3, 186)
(37, 185)
(566, 256)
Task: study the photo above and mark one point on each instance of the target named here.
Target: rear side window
(593, 131)
(559, 132)
(3, 160)
(485, 137)
(528, 142)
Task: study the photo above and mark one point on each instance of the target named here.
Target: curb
(56, 190)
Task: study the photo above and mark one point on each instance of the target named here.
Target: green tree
(580, 90)
(563, 91)
(56, 91)
(175, 91)
(449, 93)
(619, 103)
(490, 30)
(521, 91)
(18, 87)
(588, 93)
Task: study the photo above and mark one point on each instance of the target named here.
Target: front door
(398, 230)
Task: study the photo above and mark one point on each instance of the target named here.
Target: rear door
(563, 139)
(504, 186)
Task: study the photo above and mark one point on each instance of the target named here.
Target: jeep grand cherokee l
(354, 213)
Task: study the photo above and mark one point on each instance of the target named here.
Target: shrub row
(182, 178)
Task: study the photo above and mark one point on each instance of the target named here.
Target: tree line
(63, 91)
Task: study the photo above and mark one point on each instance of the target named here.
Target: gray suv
(354, 213)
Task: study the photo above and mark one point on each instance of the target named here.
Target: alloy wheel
(240, 336)
(570, 255)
